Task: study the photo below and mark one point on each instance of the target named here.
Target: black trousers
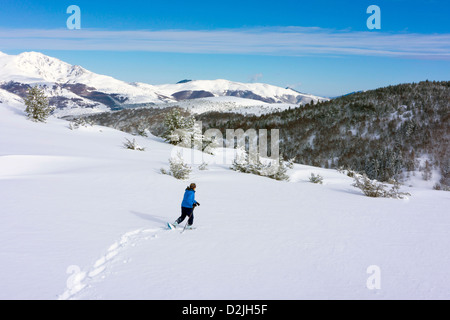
(186, 212)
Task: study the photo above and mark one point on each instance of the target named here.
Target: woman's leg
(184, 213)
(191, 219)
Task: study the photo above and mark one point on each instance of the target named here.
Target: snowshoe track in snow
(79, 279)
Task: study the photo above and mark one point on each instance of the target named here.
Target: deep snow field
(84, 218)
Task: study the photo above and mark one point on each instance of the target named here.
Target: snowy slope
(10, 100)
(83, 218)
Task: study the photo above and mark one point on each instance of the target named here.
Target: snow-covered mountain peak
(77, 71)
(28, 68)
(31, 67)
(35, 67)
(221, 87)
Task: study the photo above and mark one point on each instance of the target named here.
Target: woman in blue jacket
(188, 205)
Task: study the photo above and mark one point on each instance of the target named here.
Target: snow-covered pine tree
(178, 129)
(37, 108)
(186, 132)
(196, 134)
(142, 129)
(316, 179)
(271, 168)
(373, 188)
(427, 171)
(277, 169)
(209, 144)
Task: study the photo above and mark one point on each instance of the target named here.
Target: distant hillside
(390, 132)
(387, 132)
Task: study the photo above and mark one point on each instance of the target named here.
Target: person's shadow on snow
(150, 217)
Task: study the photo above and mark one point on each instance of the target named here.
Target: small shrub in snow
(178, 168)
(275, 170)
(142, 129)
(348, 173)
(80, 122)
(203, 166)
(132, 145)
(439, 186)
(373, 188)
(341, 169)
(316, 179)
(290, 163)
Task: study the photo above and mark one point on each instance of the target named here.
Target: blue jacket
(189, 198)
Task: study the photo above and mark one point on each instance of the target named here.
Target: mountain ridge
(72, 87)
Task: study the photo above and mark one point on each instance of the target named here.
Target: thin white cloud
(256, 77)
(282, 41)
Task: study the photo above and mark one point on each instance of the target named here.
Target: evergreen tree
(37, 105)
(178, 129)
(272, 169)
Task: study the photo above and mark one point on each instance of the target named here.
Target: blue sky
(320, 47)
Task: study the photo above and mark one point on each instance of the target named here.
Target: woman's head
(192, 186)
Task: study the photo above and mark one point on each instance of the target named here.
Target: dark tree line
(381, 132)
